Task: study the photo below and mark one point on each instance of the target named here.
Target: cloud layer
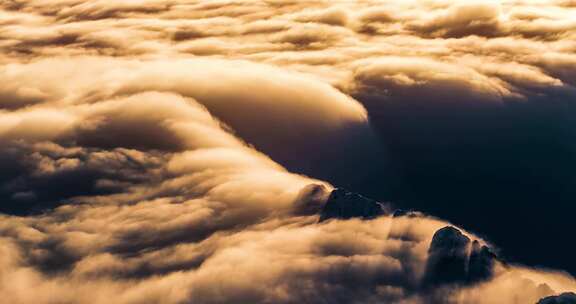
(147, 148)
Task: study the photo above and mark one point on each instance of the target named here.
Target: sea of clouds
(162, 151)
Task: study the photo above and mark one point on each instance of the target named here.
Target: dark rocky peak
(565, 298)
(447, 257)
(481, 263)
(448, 240)
(407, 213)
(343, 204)
(454, 259)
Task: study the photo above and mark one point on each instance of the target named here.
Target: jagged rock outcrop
(342, 204)
(454, 259)
(406, 213)
(481, 263)
(565, 298)
(447, 257)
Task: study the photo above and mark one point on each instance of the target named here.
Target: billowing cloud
(159, 151)
(278, 112)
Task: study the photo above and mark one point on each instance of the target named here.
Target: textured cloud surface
(173, 151)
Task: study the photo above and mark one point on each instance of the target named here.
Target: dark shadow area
(32, 182)
(506, 172)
